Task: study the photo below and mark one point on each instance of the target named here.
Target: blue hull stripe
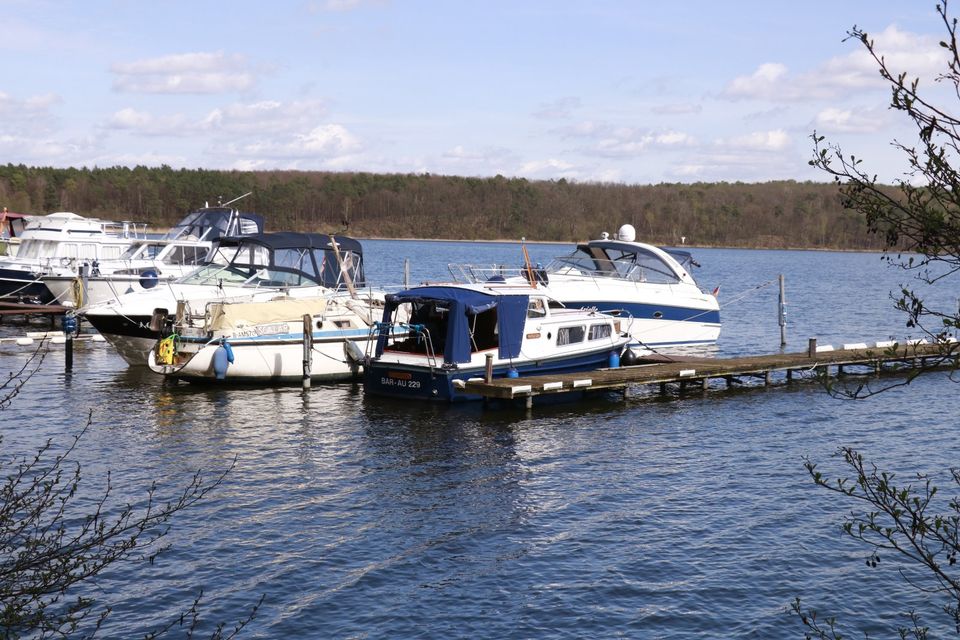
(648, 311)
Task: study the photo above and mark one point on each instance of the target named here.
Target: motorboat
(250, 268)
(150, 262)
(266, 341)
(450, 330)
(61, 240)
(649, 288)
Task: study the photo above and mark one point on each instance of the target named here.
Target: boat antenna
(223, 204)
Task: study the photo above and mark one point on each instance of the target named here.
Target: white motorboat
(262, 342)
(61, 240)
(250, 268)
(650, 289)
(151, 261)
(453, 328)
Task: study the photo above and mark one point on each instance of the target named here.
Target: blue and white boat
(448, 331)
(262, 341)
(650, 289)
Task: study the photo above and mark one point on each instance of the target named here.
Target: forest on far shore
(781, 214)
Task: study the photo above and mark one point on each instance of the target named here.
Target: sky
(635, 92)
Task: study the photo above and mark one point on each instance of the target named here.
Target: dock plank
(686, 370)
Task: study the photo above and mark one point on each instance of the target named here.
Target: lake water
(637, 517)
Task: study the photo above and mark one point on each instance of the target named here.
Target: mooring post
(307, 349)
(406, 273)
(488, 371)
(69, 325)
(812, 347)
(782, 313)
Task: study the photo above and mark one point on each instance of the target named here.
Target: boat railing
(405, 332)
(478, 274)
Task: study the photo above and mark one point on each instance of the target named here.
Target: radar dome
(627, 233)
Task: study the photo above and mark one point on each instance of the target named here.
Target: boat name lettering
(402, 383)
(263, 330)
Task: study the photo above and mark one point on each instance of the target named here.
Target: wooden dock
(699, 372)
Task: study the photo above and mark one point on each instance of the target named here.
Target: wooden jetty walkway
(699, 372)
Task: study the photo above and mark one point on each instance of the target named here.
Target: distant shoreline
(672, 246)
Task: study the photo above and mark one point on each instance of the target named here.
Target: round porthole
(549, 336)
(319, 324)
(657, 314)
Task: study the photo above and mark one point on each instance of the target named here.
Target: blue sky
(602, 90)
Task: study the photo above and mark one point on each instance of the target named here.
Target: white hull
(70, 290)
(273, 361)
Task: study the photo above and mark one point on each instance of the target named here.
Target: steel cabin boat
(453, 328)
(250, 268)
(57, 241)
(650, 289)
(151, 261)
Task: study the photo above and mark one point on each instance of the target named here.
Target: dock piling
(782, 313)
(307, 349)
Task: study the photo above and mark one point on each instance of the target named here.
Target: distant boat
(60, 240)
(250, 268)
(453, 328)
(650, 289)
(151, 261)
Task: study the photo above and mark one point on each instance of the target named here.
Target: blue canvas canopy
(460, 304)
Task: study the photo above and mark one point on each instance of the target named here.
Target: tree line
(780, 214)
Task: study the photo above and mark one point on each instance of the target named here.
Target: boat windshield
(248, 276)
(637, 265)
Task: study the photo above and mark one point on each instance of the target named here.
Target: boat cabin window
(651, 268)
(600, 331)
(107, 252)
(331, 274)
(147, 251)
(186, 255)
(632, 263)
(570, 335)
(536, 308)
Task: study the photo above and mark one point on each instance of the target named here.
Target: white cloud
(916, 55)
(324, 142)
(609, 140)
(631, 142)
(147, 124)
(46, 150)
(184, 73)
(835, 120)
(776, 140)
(28, 114)
(550, 168)
(268, 116)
